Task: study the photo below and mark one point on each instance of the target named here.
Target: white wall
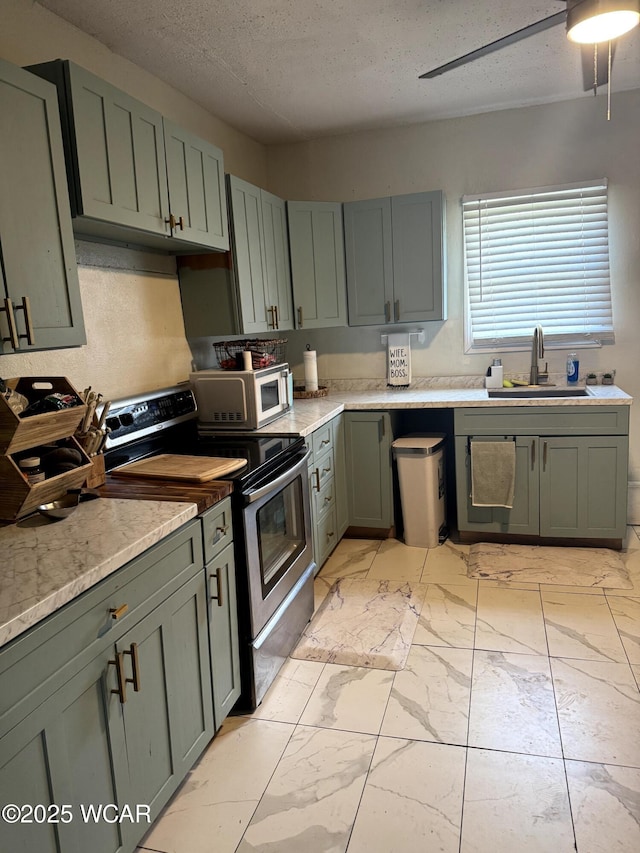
(131, 301)
(529, 147)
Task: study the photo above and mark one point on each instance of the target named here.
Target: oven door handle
(273, 485)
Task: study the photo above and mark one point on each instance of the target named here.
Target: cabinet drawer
(543, 420)
(30, 670)
(326, 536)
(324, 500)
(217, 529)
(322, 440)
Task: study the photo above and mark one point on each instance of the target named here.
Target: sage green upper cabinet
(395, 259)
(39, 277)
(317, 264)
(260, 247)
(195, 174)
(122, 182)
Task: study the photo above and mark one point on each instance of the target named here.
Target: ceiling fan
(589, 22)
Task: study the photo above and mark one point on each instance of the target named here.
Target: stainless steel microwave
(242, 399)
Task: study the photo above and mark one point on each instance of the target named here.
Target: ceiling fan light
(592, 21)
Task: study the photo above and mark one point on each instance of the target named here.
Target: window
(537, 257)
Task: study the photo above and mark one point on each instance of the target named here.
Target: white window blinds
(538, 257)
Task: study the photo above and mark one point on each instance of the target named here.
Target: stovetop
(165, 421)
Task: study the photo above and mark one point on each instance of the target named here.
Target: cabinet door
(276, 261)
(418, 257)
(339, 455)
(369, 261)
(168, 721)
(197, 196)
(368, 446)
(70, 750)
(223, 633)
(249, 266)
(36, 239)
(583, 484)
(317, 264)
(523, 518)
(119, 155)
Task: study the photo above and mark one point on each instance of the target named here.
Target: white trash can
(421, 475)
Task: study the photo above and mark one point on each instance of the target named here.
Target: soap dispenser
(495, 374)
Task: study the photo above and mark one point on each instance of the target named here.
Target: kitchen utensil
(64, 506)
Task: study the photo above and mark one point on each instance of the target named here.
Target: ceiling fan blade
(512, 38)
(591, 79)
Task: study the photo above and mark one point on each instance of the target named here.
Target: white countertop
(46, 564)
(309, 415)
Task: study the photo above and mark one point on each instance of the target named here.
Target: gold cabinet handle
(325, 441)
(218, 577)
(300, 316)
(26, 309)
(121, 689)
(533, 453)
(11, 320)
(317, 475)
(135, 667)
(275, 310)
(326, 470)
(396, 309)
(271, 310)
(220, 532)
(174, 223)
(328, 499)
(387, 312)
(118, 612)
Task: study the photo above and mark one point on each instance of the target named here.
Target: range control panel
(135, 417)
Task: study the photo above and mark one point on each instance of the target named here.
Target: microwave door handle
(274, 485)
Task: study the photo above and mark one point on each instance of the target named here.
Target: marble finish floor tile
(605, 802)
(290, 691)
(636, 673)
(515, 803)
(351, 558)
(447, 564)
(510, 620)
(631, 559)
(412, 801)
(598, 709)
(599, 567)
(397, 561)
(350, 698)
(512, 704)
(515, 584)
(364, 623)
(321, 587)
(572, 590)
(219, 796)
(430, 696)
(626, 615)
(448, 617)
(581, 627)
(311, 801)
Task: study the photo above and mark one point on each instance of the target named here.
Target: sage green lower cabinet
(571, 471)
(368, 438)
(106, 710)
(339, 453)
(322, 489)
(222, 608)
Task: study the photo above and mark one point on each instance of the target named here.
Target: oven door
(277, 531)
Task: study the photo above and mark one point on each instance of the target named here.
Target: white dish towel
(398, 360)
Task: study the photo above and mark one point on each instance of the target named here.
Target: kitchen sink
(530, 391)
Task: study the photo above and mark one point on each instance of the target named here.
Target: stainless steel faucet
(537, 351)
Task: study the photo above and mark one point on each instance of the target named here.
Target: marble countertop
(309, 415)
(47, 564)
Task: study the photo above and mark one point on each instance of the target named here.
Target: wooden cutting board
(169, 466)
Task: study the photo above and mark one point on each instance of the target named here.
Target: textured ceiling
(288, 70)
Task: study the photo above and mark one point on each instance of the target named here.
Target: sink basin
(530, 391)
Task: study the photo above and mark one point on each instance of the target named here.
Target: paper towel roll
(247, 360)
(310, 370)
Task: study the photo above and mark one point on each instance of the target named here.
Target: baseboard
(633, 502)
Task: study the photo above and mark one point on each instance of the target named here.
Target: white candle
(310, 370)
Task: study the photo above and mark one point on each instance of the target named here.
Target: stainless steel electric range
(271, 517)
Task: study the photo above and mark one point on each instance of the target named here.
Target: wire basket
(264, 352)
